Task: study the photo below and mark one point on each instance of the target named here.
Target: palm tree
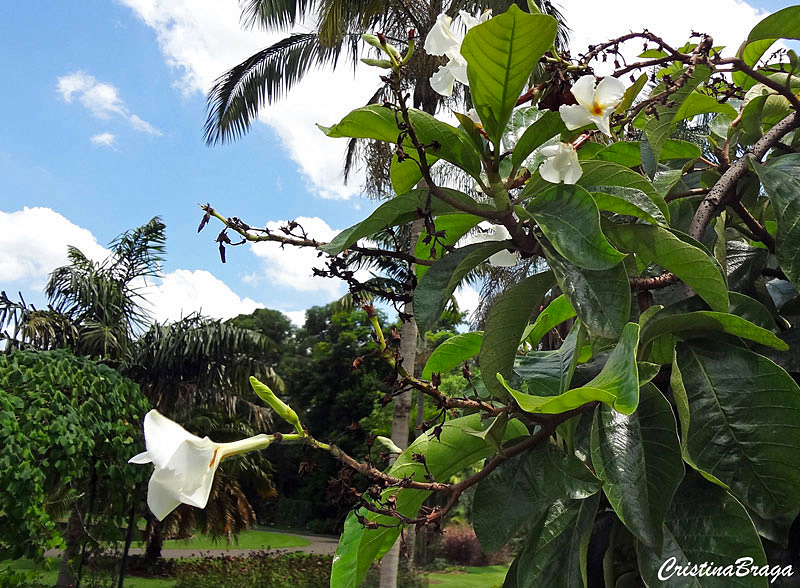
(239, 94)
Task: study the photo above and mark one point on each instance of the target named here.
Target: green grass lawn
(48, 573)
(483, 577)
(252, 539)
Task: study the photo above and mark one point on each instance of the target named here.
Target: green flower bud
(372, 40)
(282, 409)
(382, 63)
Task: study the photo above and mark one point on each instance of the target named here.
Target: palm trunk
(402, 411)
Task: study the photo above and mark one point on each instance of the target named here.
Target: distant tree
(67, 429)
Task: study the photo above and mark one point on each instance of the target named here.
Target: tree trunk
(402, 411)
(128, 540)
(155, 539)
(69, 559)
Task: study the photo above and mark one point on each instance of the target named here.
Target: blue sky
(137, 70)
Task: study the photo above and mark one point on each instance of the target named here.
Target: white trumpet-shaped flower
(595, 104)
(442, 41)
(504, 258)
(561, 165)
(184, 463)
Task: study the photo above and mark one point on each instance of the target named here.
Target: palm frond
(237, 96)
(275, 14)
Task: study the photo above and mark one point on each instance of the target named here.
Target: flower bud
(382, 63)
(282, 409)
(372, 40)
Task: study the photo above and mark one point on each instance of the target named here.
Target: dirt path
(319, 544)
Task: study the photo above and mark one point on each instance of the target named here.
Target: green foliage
(265, 570)
(61, 418)
(650, 324)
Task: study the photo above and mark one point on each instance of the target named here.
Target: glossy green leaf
(783, 190)
(554, 554)
(631, 93)
(452, 353)
(491, 431)
(380, 123)
(658, 127)
(569, 218)
(743, 426)
(545, 128)
(704, 524)
(406, 174)
(628, 153)
(359, 547)
(751, 52)
(438, 284)
(607, 173)
(691, 264)
(397, 211)
(704, 322)
(601, 299)
(505, 324)
(783, 24)
(697, 103)
(630, 202)
(617, 384)
(454, 226)
(549, 373)
(638, 457)
(553, 315)
(501, 54)
(522, 489)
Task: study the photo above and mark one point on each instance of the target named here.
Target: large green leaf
(452, 353)
(405, 174)
(439, 282)
(608, 173)
(569, 218)
(630, 202)
(380, 123)
(522, 489)
(501, 54)
(704, 524)
(505, 324)
(549, 373)
(554, 554)
(703, 322)
(397, 211)
(697, 103)
(783, 190)
(449, 228)
(691, 264)
(601, 299)
(783, 24)
(629, 154)
(553, 315)
(617, 384)
(638, 457)
(743, 425)
(751, 52)
(658, 127)
(545, 128)
(455, 450)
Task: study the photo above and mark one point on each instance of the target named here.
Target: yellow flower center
(596, 109)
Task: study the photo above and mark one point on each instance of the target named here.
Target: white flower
(595, 104)
(185, 464)
(491, 232)
(561, 165)
(442, 41)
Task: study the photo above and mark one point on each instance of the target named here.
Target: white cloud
(727, 21)
(101, 99)
(202, 40)
(292, 266)
(103, 139)
(33, 242)
(183, 291)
